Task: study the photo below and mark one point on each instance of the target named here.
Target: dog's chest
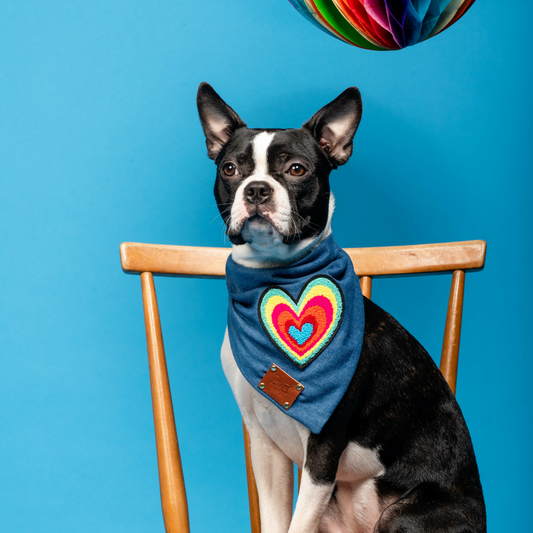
(262, 416)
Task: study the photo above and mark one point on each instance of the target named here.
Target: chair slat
(383, 261)
(174, 260)
(449, 360)
(424, 258)
(188, 261)
(171, 482)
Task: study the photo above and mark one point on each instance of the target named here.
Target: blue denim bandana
(296, 331)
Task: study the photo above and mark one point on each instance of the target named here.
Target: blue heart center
(301, 335)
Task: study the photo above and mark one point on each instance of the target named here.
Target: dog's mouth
(258, 222)
(260, 228)
(253, 216)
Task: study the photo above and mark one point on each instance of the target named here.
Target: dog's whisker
(220, 215)
(210, 185)
(271, 322)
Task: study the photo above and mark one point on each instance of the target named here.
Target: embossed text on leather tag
(281, 387)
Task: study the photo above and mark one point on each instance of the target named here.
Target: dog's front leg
(275, 482)
(313, 500)
(317, 484)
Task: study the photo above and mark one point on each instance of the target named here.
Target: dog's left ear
(334, 126)
(219, 121)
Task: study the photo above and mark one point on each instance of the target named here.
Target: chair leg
(171, 482)
(253, 498)
(452, 331)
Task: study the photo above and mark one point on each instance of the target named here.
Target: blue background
(100, 144)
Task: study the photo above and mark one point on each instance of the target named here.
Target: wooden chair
(187, 261)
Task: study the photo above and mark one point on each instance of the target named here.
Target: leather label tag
(281, 387)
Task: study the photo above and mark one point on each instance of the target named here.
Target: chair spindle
(366, 286)
(171, 482)
(452, 331)
(146, 259)
(253, 498)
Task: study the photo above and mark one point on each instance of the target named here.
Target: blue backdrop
(100, 143)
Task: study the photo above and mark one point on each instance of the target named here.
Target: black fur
(309, 196)
(398, 402)
(213, 110)
(347, 106)
(315, 146)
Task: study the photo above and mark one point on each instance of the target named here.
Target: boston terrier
(370, 420)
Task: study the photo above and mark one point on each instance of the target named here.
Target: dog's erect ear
(219, 121)
(334, 126)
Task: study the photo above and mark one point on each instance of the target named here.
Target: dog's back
(395, 455)
(399, 404)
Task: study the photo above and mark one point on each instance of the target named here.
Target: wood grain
(253, 497)
(424, 258)
(449, 360)
(189, 261)
(193, 261)
(366, 286)
(171, 482)
(382, 261)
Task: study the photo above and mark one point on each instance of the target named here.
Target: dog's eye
(297, 170)
(229, 169)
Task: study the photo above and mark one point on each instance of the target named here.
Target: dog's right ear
(219, 121)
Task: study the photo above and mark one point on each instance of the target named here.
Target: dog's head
(272, 185)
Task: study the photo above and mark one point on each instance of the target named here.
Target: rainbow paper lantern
(382, 24)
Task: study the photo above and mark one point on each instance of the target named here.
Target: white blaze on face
(260, 144)
(279, 210)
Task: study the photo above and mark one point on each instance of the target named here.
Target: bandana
(296, 331)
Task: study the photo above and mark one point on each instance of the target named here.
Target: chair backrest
(189, 261)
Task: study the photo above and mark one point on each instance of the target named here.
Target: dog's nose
(257, 192)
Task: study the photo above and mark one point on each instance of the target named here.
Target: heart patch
(302, 328)
(300, 336)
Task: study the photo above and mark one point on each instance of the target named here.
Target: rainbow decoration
(382, 24)
(302, 328)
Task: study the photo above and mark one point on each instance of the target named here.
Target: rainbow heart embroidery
(302, 328)
(300, 336)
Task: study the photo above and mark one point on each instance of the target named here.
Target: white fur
(274, 252)
(278, 440)
(264, 246)
(340, 125)
(260, 145)
(313, 500)
(280, 215)
(219, 129)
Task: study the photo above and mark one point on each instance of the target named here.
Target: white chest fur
(291, 436)
(276, 435)
(261, 414)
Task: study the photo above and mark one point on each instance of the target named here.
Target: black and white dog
(395, 455)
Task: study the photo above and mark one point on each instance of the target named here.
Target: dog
(395, 454)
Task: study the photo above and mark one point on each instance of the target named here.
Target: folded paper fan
(301, 7)
(382, 24)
